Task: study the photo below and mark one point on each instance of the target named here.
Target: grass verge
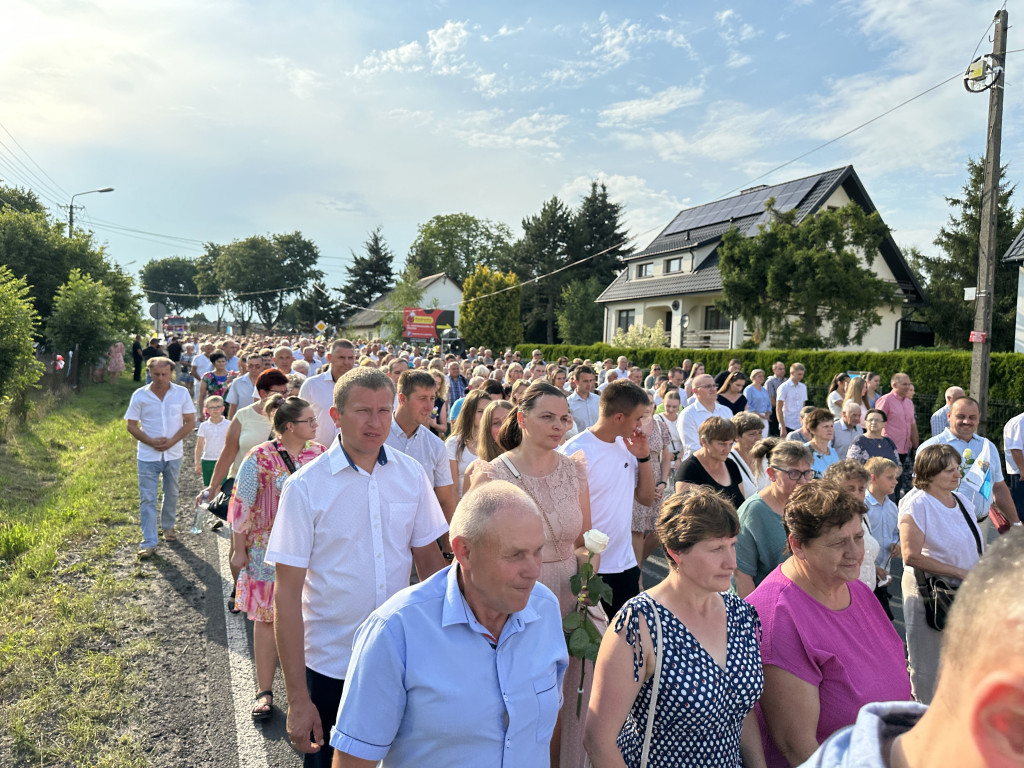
(69, 638)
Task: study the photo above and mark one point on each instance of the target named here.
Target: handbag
(937, 594)
(219, 504)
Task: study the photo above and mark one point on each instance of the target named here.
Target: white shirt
(584, 412)
(159, 418)
(1013, 437)
(792, 396)
(214, 435)
(241, 392)
(946, 535)
(468, 457)
(689, 421)
(871, 551)
(427, 448)
(984, 460)
(612, 477)
(202, 365)
(318, 391)
(353, 533)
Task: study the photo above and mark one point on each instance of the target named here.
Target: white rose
(595, 541)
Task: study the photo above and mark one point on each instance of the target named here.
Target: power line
(218, 295)
(37, 165)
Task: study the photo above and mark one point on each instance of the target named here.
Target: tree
(171, 282)
(207, 284)
(406, 293)
(455, 243)
(946, 275)
(20, 200)
(492, 321)
(82, 321)
(543, 248)
(598, 231)
(369, 276)
(19, 369)
(804, 284)
(580, 318)
(315, 305)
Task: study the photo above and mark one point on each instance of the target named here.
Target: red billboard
(426, 324)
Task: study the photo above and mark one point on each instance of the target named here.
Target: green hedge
(931, 372)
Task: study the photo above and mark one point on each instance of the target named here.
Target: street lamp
(71, 208)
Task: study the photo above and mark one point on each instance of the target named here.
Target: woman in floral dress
(215, 382)
(645, 541)
(253, 508)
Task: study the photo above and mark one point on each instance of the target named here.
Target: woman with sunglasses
(762, 539)
(253, 508)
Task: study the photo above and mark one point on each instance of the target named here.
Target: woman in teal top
(762, 538)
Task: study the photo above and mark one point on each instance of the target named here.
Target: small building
(675, 279)
(438, 291)
(1015, 255)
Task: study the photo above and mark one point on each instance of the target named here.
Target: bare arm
(1018, 458)
(751, 749)
(428, 560)
(915, 439)
(304, 727)
(744, 583)
(782, 422)
(200, 445)
(581, 549)
(1004, 501)
(446, 498)
(232, 410)
(226, 459)
(791, 708)
(135, 430)
(911, 543)
(202, 399)
(345, 760)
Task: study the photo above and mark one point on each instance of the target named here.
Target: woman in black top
(710, 465)
(731, 393)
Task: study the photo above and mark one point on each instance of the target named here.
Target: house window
(674, 265)
(645, 270)
(715, 320)
(627, 317)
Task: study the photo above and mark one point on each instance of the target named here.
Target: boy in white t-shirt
(210, 441)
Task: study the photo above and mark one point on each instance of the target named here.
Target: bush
(641, 336)
(19, 369)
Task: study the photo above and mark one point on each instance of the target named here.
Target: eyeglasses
(795, 474)
(706, 386)
(311, 421)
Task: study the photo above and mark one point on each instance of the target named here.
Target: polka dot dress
(700, 707)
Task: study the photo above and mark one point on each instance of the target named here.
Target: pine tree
(543, 248)
(598, 231)
(369, 276)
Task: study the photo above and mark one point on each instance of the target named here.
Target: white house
(1015, 255)
(439, 292)
(675, 279)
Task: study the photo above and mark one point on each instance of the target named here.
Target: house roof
(705, 224)
(1016, 250)
(369, 317)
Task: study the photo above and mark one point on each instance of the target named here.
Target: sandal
(258, 711)
(231, 602)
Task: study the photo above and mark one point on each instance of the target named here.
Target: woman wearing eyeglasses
(253, 508)
(873, 443)
(762, 539)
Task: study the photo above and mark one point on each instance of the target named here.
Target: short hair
(363, 376)
(745, 421)
(718, 429)
(270, 378)
(213, 400)
(218, 355)
(877, 412)
(851, 406)
(160, 360)
(696, 515)
(845, 469)
(797, 367)
(282, 411)
(931, 461)
(478, 507)
(397, 361)
(283, 348)
(814, 508)
(341, 344)
(581, 369)
(879, 465)
(965, 397)
(492, 387)
(807, 409)
(411, 380)
(622, 396)
(892, 379)
(818, 417)
(783, 453)
(511, 435)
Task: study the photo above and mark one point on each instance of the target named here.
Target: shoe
(145, 553)
(217, 523)
(170, 535)
(258, 711)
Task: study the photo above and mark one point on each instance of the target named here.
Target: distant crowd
(340, 466)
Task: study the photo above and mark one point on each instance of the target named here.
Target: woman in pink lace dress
(115, 362)
(645, 540)
(558, 484)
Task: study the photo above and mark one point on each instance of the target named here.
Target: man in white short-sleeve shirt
(159, 415)
(243, 389)
(1013, 450)
(790, 398)
(704, 406)
(318, 390)
(349, 527)
(618, 471)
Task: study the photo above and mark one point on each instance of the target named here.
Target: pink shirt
(899, 412)
(852, 656)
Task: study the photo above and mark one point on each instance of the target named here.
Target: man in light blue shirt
(584, 405)
(466, 668)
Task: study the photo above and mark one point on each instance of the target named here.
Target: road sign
(321, 326)
(158, 310)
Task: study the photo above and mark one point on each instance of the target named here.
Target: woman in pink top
(826, 645)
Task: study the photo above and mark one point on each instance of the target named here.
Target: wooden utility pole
(982, 336)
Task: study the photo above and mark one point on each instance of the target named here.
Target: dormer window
(645, 270)
(674, 264)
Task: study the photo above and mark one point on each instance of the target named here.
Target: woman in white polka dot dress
(711, 674)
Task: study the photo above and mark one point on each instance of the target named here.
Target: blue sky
(219, 119)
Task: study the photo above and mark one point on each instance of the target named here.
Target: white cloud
(506, 31)
(734, 31)
(490, 129)
(302, 82)
(639, 111)
(404, 58)
(737, 60)
(443, 44)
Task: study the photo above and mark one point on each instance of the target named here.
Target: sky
(215, 120)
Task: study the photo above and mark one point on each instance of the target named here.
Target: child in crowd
(882, 514)
(210, 441)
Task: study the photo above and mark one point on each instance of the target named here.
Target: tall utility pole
(982, 350)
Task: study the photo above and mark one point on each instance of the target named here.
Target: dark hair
(581, 369)
(836, 381)
(493, 387)
(716, 428)
(366, 377)
(693, 516)
(622, 396)
(844, 468)
(817, 417)
(486, 447)
(511, 435)
(730, 379)
(877, 411)
(412, 379)
(931, 461)
(816, 507)
(270, 378)
(464, 429)
(218, 355)
(282, 411)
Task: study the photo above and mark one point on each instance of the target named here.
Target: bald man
(976, 719)
(940, 419)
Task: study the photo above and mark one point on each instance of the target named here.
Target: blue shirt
(428, 685)
(866, 743)
(822, 461)
(981, 450)
(584, 412)
(758, 399)
(882, 516)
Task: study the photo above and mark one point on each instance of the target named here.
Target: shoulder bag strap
(974, 528)
(519, 476)
(645, 753)
(286, 458)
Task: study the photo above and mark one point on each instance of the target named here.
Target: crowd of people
(346, 465)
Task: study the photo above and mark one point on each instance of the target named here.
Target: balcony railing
(708, 339)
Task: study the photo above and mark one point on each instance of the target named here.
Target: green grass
(68, 651)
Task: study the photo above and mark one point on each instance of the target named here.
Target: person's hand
(160, 443)
(199, 468)
(638, 444)
(881, 574)
(240, 559)
(303, 720)
(205, 492)
(894, 550)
